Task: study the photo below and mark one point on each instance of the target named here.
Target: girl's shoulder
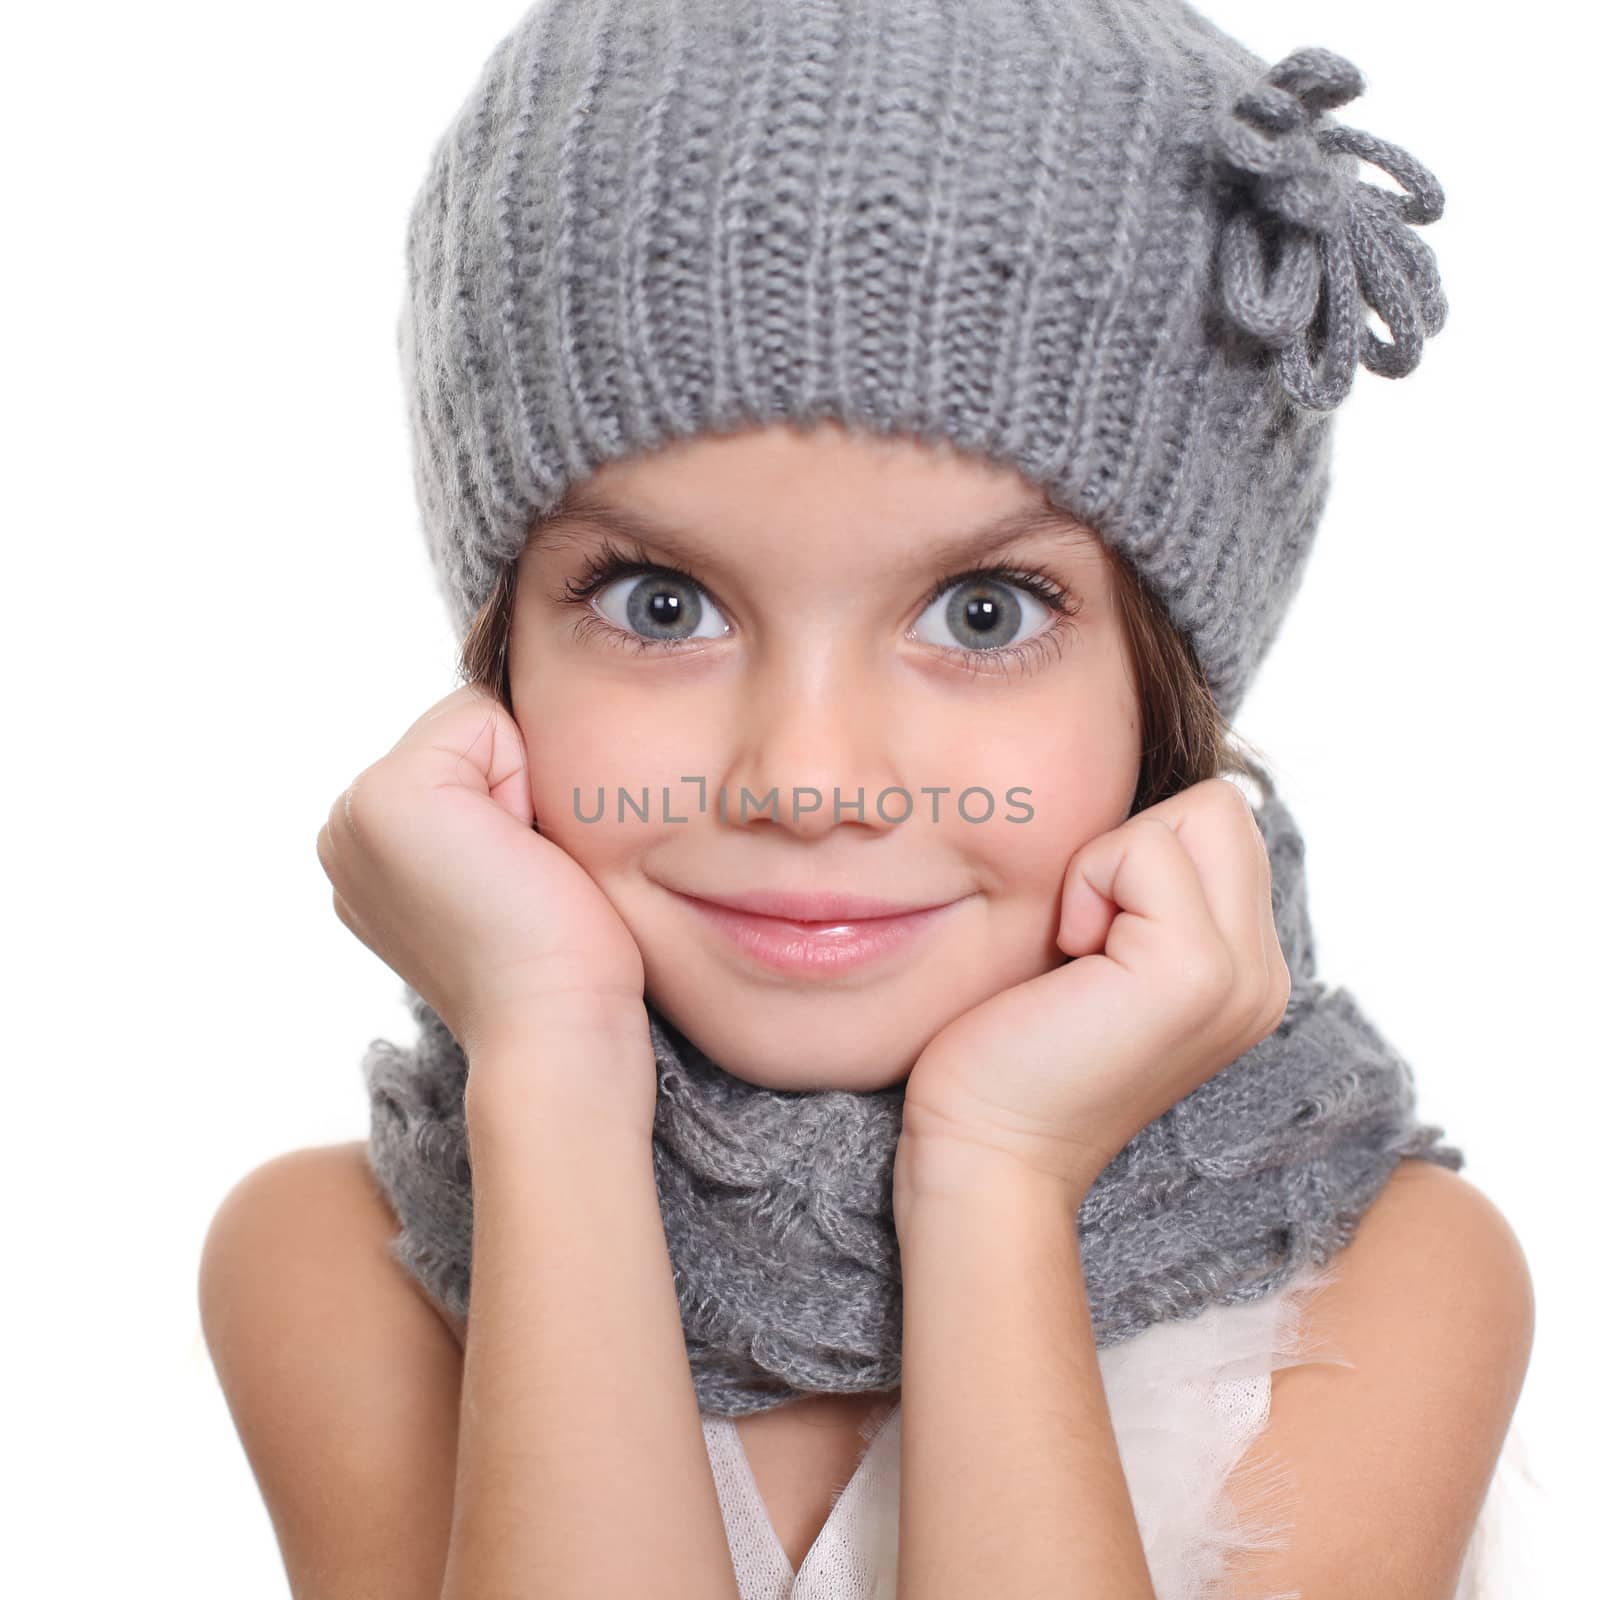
(1426, 1319)
(1433, 1283)
(1429, 1223)
(1433, 1277)
(342, 1384)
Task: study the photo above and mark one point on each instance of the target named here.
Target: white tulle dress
(1186, 1398)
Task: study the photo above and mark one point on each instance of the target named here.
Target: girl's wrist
(582, 1071)
(516, 1030)
(933, 1175)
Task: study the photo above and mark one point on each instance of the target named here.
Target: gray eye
(657, 605)
(981, 614)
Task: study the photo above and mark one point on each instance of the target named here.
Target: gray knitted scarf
(778, 1204)
(1096, 240)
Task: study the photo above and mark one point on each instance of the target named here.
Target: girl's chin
(810, 1071)
(804, 1080)
(806, 1039)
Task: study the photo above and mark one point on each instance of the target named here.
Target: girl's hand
(437, 869)
(1177, 971)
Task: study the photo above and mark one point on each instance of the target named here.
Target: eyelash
(610, 562)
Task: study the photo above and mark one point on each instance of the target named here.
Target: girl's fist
(437, 868)
(1174, 971)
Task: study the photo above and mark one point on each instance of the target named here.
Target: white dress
(1186, 1398)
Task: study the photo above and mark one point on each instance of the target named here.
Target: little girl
(872, 1085)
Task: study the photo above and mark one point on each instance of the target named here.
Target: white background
(218, 610)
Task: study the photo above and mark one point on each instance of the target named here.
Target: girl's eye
(644, 603)
(660, 607)
(994, 617)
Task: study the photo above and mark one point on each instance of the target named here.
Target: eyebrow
(584, 506)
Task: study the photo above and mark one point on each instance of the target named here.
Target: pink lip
(797, 906)
(823, 946)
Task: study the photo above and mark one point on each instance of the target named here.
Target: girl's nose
(800, 741)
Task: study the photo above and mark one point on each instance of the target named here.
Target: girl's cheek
(598, 776)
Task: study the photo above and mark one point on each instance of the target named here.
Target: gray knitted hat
(1096, 240)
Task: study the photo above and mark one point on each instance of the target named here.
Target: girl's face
(838, 632)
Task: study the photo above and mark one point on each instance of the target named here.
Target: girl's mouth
(818, 949)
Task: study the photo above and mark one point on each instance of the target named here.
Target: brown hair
(1186, 738)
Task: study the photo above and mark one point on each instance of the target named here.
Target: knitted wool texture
(1097, 241)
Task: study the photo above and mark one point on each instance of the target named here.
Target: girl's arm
(1011, 1481)
(1010, 1478)
(581, 1468)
